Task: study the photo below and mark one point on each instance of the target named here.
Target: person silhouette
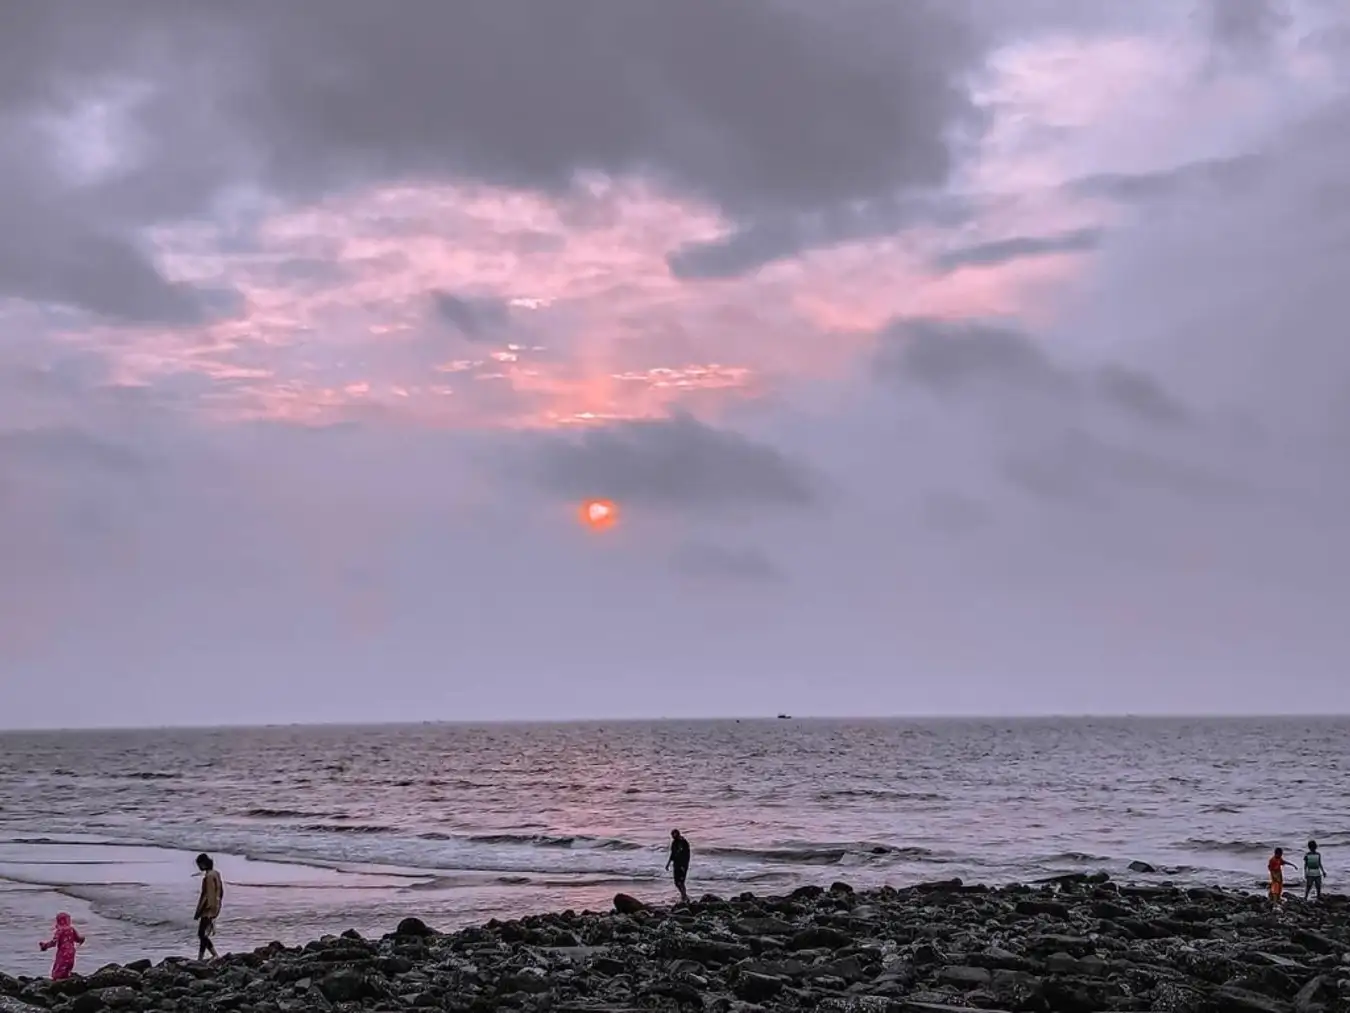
(679, 858)
(1312, 871)
(65, 938)
(208, 906)
(1276, 869)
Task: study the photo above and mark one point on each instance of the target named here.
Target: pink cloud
(339, 320)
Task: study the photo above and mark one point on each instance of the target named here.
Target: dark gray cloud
(1228, 175)
(1141, 396)
(105, 276)
(1003, 251)
(1059, 436)
(957, 356)
(676, 462)
(764, 242)
(59, 249)
(67, 447)
(758, 106)
(1082, 469)
(1247, 27)
(950, 355)
(767, 108)
(476, 318)
(708, 561)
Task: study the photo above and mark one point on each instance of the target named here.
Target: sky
(939, 357)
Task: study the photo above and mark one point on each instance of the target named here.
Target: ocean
(319, 829)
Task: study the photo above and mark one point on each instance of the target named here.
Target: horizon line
(722, 719)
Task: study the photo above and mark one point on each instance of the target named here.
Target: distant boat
(784, 717)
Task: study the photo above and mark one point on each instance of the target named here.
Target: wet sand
(134, 901)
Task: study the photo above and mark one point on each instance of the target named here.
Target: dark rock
(998, 958)
(113, 976)
(776, 968)
(628, 905)
(1315, 941)
(965, 977)
(1317, 995)
(846, 969)
(350, 985)
(708, 951)
(531, 983)
(1141, 929)
(1076, 946)
(119, 997)
(1190, 930)
(608, 966)
(1239, 1000)
(413, 927)
(820, 937)
(1109, 909)
(1061, 963)
(1137, 866)
(754, 987)
(1042, 907)
(1194, 914)
(1146, 892)
(88, 1002)
(941, 886)
(682, 992)
(763, 927)
(925, 955)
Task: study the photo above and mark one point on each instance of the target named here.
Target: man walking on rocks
(208, 906)
(679, 857)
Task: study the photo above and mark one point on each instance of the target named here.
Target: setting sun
(599, 514)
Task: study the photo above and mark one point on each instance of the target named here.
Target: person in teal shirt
(1312, 871)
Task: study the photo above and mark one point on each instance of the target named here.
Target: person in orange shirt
(1276, 866)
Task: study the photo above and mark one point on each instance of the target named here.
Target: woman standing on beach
(208, 906)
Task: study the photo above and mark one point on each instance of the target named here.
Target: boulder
(626, 904)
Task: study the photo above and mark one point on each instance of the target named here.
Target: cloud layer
(940, 359)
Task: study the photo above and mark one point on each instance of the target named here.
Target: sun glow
(599, 514)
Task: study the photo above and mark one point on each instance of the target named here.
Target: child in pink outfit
(64, 940)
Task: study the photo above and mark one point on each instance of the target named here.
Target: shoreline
(134, 899)
(1079, 943)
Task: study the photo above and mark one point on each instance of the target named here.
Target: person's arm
(47, 945)
(1290, 864)
(201, 900)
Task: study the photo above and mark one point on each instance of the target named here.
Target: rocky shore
(1076, 944)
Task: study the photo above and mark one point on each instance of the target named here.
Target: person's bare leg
(204, 944)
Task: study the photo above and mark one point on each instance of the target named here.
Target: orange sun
(599, 514)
